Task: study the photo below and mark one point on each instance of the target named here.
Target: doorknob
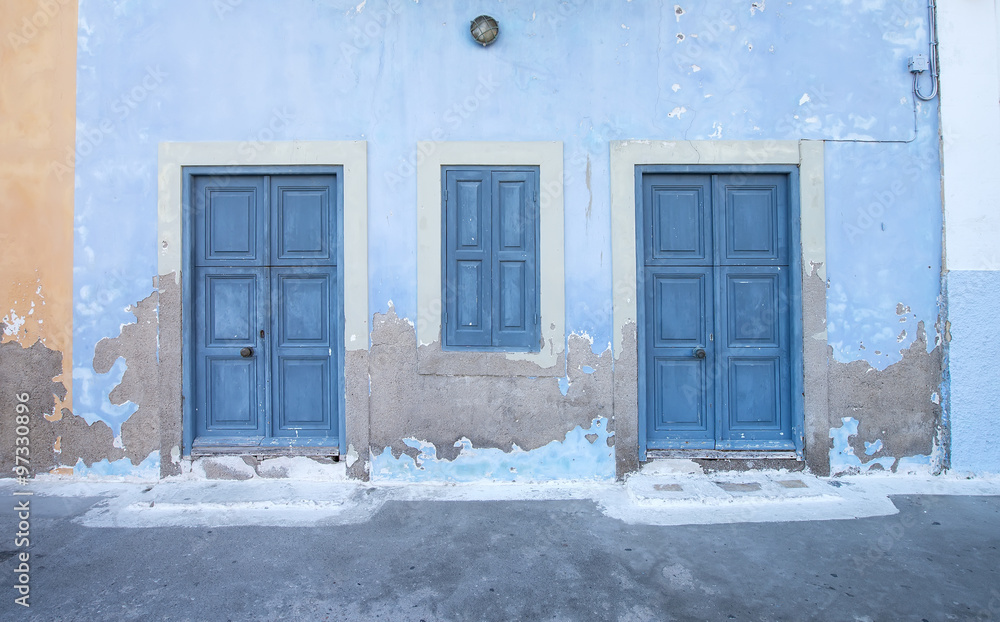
(699, 353)
(246, 352)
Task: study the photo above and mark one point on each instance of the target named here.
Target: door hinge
(446, 318)
(445, 195)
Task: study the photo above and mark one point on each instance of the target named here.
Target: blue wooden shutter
(468, 259)
(515, 286)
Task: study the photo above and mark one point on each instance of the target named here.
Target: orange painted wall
(37, 130)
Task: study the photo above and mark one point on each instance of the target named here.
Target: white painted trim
(548, 156)
(352, 155)
(627, 154)
(969, 52)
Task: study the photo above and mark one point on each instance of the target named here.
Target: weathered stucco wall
(970, 120)
(543, 427)
(37, 121)
(397, 72)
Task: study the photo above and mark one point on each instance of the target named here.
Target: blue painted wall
(973, 300)
(393, 72)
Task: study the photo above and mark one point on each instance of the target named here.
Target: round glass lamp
(485, 30)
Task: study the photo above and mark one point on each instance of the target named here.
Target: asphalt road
(938, 559)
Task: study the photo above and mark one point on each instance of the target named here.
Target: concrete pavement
(668, 545)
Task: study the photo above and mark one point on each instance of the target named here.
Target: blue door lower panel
(680, 389)
(304, 358)
(230, 361)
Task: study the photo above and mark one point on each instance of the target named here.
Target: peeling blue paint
(576, 457)
(842, 457)
(564, 385)
(873, 448)
(91, 398)
(148, 469)
(587, 369)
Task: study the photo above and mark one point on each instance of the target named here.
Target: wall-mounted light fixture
(485, 30)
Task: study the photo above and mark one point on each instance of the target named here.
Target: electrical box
(918, 64)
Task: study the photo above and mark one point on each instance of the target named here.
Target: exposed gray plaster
(626, 403)
(491, 411)
(169, 373)
(32, 371)
(28, 370)
(816, 369)
(357, 414)
(137, 345)
(893, 405)
(432, 360)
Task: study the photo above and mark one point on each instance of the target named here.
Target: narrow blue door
(715, 330)
(266, 310)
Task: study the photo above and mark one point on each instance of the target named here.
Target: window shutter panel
(468, 265)
(514, 286)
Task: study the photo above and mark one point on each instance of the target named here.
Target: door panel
(678, 225)
(303, 212)
(754, 309)
(681, 401)
(753, 346)
(303, 314)
(230, 222)
(753, 389)
(228, 307)
(751, 219)
(231, 393)
(680, 392)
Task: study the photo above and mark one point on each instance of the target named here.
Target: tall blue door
(266, 310)
(715, 334)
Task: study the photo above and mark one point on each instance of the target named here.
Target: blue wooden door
(715, 331)
(266, 310)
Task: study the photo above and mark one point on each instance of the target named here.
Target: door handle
(699, 353)
(246, 352)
